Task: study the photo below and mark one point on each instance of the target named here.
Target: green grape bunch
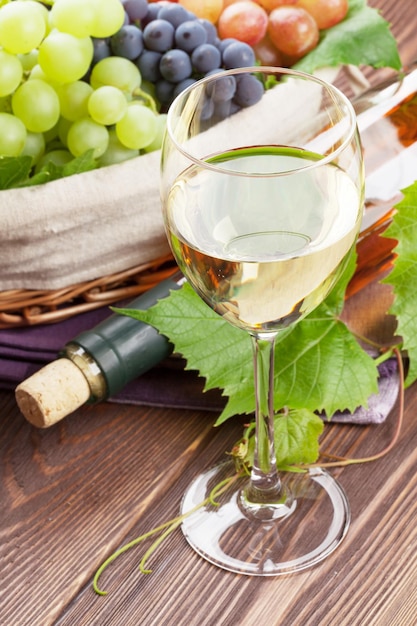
(54, 105)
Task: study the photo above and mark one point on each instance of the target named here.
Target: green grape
(86, 134)
(116, 152)
(117, 72)
(37, 105)
(57, 157)
(51, 134)
(73, 98)
(22, 26)
(149, 88)
(138, 127)
(54, 145)
(37, 72)
(65, 58)
(34, 146)
(12, 135)
(63, 128)
(161, 122)
(109, 17)
(6, 104)
(107, 105)
(29, 60)
(11, 72)
(76, 17)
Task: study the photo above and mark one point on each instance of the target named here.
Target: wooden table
(72, 494)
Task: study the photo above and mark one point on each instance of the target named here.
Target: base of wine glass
(266, 540)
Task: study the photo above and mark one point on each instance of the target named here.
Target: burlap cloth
(81, 227)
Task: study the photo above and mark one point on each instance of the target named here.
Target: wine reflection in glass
(262, 203)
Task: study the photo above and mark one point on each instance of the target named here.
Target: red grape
(206, 9)
(270, 5)
(293, 31)
(226, 3)
(245, 21)
(267, 54)
(327, 13)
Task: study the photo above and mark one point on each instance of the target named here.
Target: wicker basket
(81, 242)
(29, 307)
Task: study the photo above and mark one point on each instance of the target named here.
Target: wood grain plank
(71, 495)
(219, 597)
(223, 598)
(61, 489)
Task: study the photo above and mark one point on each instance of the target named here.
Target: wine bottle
(97, 363)
(387, 121)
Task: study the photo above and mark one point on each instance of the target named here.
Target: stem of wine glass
(265, 484)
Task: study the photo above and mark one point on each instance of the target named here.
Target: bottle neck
(91, 371)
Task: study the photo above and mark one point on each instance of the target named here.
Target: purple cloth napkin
(25, 350)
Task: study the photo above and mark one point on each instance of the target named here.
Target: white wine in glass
(262, 199)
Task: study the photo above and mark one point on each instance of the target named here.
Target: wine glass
(262, 189)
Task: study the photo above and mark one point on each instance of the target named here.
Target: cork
(52, 393)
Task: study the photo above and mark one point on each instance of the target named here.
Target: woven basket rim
(30, 307)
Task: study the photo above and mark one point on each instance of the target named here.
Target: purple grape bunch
(172, 49)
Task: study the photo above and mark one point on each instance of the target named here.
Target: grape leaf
(83, 163)
(319, 364)
(16, 171)
(219, 351)
(362, 38)
(404, 274)
(296, 435)
(323, 368)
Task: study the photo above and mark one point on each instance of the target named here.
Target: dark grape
(189, 35)
(135, 9)
(206, 58)
(222, 89)
(164, 91)
(159, 35)
(249, 90)
(207, 109)
(225, 109)
(223, 43)
(175, 14)
(238, 54)
(210, 29)
(179, 87)
(127, 42)
(152, 14)
(148, 64)
(175, 66)
(101, 49)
